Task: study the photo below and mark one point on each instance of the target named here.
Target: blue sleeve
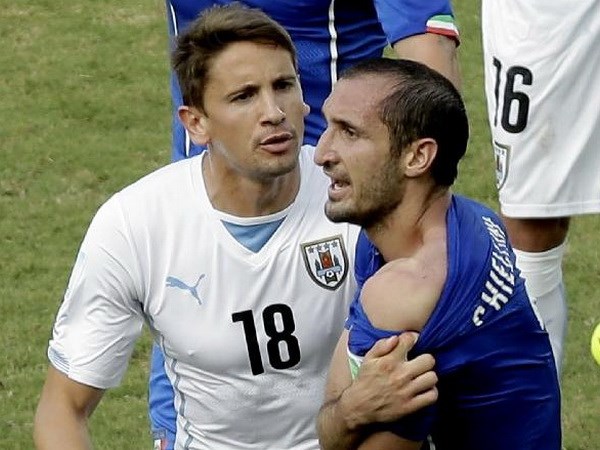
(401, 19)
(163, 418)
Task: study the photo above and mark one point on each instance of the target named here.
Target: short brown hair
(422, 104)
(215, 29)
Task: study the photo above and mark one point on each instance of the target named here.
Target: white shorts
(542, 82)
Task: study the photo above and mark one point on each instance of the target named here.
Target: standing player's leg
(539, 246)
(541, 74)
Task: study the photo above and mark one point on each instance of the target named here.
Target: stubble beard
(267, 172)
(378, 199)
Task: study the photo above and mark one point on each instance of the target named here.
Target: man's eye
(241, 97)
(349, 132)
(282, 85)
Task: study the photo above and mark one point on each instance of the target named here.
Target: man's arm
(387, 387)
(62, 413)
(388, 441)
(435, 50)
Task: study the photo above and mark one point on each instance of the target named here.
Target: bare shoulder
(404, 292)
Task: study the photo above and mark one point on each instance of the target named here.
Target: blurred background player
(329, 36)
(542, 68)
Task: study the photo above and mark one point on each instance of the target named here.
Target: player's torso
(493, 358)
(255, 341)
(248, 336)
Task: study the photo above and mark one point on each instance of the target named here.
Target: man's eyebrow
(343, 123)
(251, 85)
(243, 88)
(287, 77)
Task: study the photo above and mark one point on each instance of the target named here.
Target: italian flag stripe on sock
(443, 24)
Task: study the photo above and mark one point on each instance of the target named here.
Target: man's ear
(419, 156)
(196, 123)
(305, 108)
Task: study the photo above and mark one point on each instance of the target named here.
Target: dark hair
(422, 104)
(215, 29)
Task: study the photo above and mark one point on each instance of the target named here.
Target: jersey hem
(79, 376)
(544, 211)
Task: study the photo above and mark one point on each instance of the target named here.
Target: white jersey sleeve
(100, 317)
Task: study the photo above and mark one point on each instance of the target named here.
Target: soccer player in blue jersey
(434, 262)
(329, 36)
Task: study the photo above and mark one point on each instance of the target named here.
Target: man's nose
(272, 111)
(323, 153)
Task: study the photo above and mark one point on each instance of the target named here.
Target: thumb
(382, 347)
(406, 342)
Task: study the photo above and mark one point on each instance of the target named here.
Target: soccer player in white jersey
(542, 68)
(329, 37)
(229, 259)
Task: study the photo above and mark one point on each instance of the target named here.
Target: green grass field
(84, 111)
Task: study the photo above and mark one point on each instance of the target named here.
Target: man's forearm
(61, 418)
(57, 430)
(339, 428)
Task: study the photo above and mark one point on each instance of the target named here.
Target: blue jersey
(329, 36)
(498, 387)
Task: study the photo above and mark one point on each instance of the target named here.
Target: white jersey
(542, 75)
(247, 337)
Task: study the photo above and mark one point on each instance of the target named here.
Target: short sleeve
(403, 18)
(100, 317)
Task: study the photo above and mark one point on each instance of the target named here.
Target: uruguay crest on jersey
(501, 157)
(326, 261)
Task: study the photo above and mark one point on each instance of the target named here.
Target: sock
(542, 272)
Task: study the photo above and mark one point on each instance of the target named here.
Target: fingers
(403, 396)
(391, 386)
(424, 383)
(382, 347)
(422, 390)
(421, 364)
(407, 385)
(396, 346)
(399, 344)
(419, 401)
(406, 341)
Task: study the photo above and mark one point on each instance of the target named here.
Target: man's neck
(235, 194)
(409, 227)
